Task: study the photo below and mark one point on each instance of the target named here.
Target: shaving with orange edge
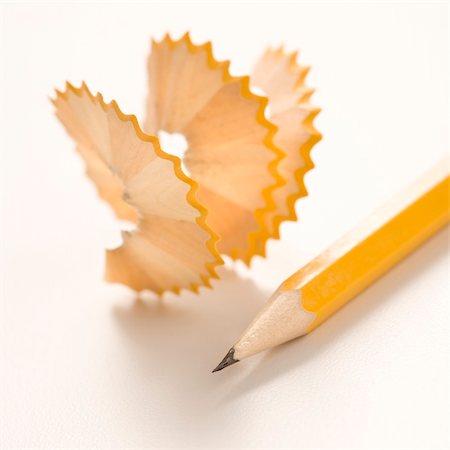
(244, 166)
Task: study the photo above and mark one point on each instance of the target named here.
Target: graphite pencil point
(227, 361)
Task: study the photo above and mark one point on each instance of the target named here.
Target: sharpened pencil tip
(227, 361)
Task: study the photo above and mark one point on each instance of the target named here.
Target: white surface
(85, 366)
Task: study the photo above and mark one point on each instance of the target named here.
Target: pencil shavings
(245, 166)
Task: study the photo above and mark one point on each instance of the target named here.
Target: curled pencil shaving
(245, 170)
(172, 246)
(283, 80)
(231, 153)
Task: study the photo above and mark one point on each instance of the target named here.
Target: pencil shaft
(358, 259)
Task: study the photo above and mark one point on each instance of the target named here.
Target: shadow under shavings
(175, 343)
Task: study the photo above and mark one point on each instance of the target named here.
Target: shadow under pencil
(286, 357)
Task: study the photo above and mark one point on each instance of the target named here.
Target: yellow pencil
(328, 282)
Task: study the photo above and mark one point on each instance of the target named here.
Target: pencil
(319, 289)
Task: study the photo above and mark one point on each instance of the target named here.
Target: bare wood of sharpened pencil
(328, 282)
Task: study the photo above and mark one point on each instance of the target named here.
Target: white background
(86, 366)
